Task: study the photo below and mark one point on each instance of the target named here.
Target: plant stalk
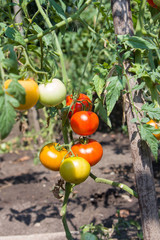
(115, 184)
(68, 189)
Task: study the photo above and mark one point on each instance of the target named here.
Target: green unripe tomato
(52, 93)
(75, 170)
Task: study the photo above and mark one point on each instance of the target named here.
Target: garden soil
(28, 205)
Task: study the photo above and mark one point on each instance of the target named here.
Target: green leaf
(7, 114)
(14, 35)
(138, 87)
(1, 55)
(58, 9)
(99, 84)
(102, 111)
(9, 64)
(80, 3)
(145, 120)
(134, 120)
(15, 89)
(3, 27)
(139, 70)
(136, 42)
(147, 135)
(63, 5)
(153, 113)
(113, 92)
(23, 4)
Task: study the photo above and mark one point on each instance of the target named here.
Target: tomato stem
(29, 64)
(115, 184)
(68, 190)
(47, 20)
(60, 24)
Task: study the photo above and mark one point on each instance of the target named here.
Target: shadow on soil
(26, 215)
(27, 178)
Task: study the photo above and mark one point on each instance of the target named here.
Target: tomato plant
(75, 170)
(90, 149)
(50, 157)
(83, 102)
(52, 93)
(155, 125)
(31, 90)
(84, 123)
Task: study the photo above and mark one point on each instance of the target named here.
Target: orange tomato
(51, 158)
(32, 92)
(155, 125)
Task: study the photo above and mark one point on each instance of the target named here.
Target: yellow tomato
(75, 170)
(32, 92)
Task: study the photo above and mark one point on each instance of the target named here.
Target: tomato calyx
(83, 140)
(59, 147)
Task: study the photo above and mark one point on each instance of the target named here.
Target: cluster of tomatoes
(154, 3)
(49, 94)
(75, 163)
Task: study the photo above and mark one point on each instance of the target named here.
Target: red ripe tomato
(92, 151)
(83, 102)
(84, 123)
(152, 4)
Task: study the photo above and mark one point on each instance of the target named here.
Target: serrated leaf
(14, 35)
(99, 84)
(58, 9)
(136, 42)
(113, 93)
(145, 120)
(9, 63)
(15, 89)
(153, 113)
(147, 135)
(7, 114)
(138, 87)
(101, 110)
